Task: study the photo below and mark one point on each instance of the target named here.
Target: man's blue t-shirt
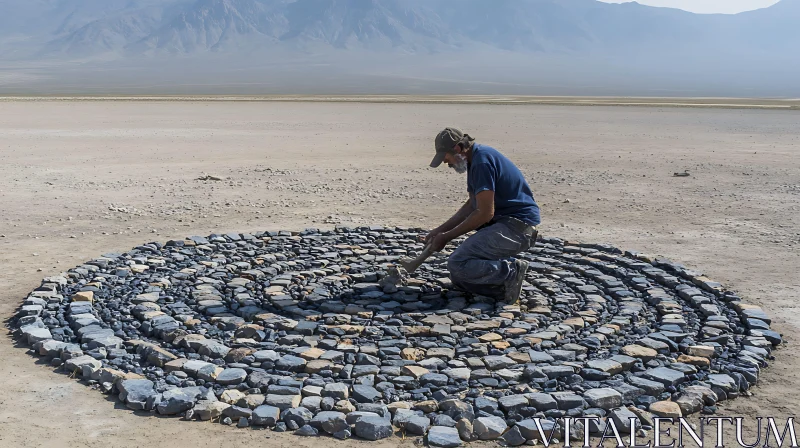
(490, 170)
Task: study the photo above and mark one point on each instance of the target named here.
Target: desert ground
(83, 178)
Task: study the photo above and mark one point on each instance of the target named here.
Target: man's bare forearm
(475, 219)
(461, 215)
(482, 213)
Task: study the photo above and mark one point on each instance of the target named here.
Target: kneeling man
(500, 207)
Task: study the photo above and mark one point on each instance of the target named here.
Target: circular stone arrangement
(316, 331)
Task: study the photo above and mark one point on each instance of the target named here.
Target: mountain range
(41, 37)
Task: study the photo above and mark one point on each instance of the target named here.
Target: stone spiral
(317, 330)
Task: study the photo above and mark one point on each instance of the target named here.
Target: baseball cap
(445, 141)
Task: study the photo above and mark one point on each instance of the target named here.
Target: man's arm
(458, 218)
(483, 213)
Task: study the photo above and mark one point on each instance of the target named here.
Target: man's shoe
(514, 286)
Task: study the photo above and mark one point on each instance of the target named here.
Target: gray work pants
(483, 263)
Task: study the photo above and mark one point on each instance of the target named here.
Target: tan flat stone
(520, 357)
(415, 371)
(251, 401)
(416, 331)
(149, 315)
(482, 325)
(175, 365)
(398, 405)
(701, 350)
(541, 310)
(312, 353)
(231, 396)
(638, 351)
(210, 410)
(83, 296)
(344, 406)
(191, 323)
(490, 337)
(501, 345)
(318, 365)
(739, 306)
(237, 354)
(412, 354)
(575, 322)
(427, 406)
(666, 409)
(694, 360)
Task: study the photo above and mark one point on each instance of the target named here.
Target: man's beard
(461, 164)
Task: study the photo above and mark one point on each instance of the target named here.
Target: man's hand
(431, 235)
(440, 241)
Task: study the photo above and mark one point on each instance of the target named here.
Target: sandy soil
(78, 179)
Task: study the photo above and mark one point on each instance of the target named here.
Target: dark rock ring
(317, 331)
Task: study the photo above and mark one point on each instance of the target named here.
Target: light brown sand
(78, 179)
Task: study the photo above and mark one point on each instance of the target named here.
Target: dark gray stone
(177, 401)
(513, 437)
(622, 419)
(542, 402)
(649, 387)
(457, 409)
(231, 376)
(531, 431)
(291, 363)
(366, 394)
(604, 398)
(489, 428)
(265, 416)
(418, 425)
(134, 393)
(568, 400)
(513, 403)
(665, 376)
(330, 421)
(373, 428)
(355, 416)
(443, 436)
(337, 391)
(434, 379)
(443, 420)
(307, 431)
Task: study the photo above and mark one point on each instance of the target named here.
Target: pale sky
(706, 6)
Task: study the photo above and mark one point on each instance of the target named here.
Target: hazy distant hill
(573, 34)
(67, 28)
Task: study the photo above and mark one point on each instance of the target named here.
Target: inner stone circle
(317, 331)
